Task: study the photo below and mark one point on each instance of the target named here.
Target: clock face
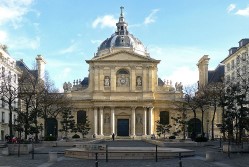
(122, 80)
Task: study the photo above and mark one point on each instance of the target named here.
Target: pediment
(123, 56)
(123, 113)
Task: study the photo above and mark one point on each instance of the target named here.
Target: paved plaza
(41, 160)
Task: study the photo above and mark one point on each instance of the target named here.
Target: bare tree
(9, 96)
(181, 117)
(190, 99)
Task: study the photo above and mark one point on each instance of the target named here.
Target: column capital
(133, 107)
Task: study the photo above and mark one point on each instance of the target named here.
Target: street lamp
(207, 129)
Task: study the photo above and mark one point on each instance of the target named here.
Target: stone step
(3, 145)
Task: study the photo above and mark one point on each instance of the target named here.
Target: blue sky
(177, 32)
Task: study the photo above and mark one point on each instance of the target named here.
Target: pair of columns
(133, 120)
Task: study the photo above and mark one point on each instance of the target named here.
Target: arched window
(81, 117)
(164, 117)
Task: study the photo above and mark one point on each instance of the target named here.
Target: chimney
(40, 62)
(203, 70)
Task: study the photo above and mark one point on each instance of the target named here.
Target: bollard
(18, 149)
(53, 156)
(96, 162)
(220, 142)
(106, 153)
(156, 153)
(33, 151)
(180, 160)
(228, 149)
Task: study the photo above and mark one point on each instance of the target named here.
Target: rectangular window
(243, 70)
(228, 67)
(238, 60)
(232, 64)
(164, 117)
(3, 117)
(3, 103)
(14, 119)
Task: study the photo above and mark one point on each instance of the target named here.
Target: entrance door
(52, 127)
(123, 127)
(2, 135)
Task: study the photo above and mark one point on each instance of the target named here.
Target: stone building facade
(122, 93)
(8, 75)
(209, 77)
(236, 63)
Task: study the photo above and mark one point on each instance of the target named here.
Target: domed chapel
(122, 93)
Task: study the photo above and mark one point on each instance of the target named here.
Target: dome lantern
(121, 40)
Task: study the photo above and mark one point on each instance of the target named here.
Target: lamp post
(207, 129)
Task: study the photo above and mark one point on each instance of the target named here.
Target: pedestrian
(113, 137)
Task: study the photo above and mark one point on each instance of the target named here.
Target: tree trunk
(202, 126)
(10, 121)
(194, 136)
(212, 130)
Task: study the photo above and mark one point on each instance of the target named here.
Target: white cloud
(25, 43)
(72, 48)
(96, 42)
(13, 11)
(179, 63)
(231, 7)
(151, 18)
(104, 21)
(243, 12)
(186, 75)
(3, 37)
(75, 46)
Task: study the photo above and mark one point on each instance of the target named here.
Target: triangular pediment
(124, 56)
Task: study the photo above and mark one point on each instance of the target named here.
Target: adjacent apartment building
(8, 72)
(236, 63)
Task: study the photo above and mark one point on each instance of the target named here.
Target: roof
(216, 75)
(233, 50)
(84, 83)
(24, 68)
(160, 82)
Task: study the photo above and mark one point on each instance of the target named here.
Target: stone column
(133, 121)
(95, 120)
(101, 120)
(112, 120)
(151, 120)
(145, 121)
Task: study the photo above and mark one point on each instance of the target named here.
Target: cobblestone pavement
(41, 160)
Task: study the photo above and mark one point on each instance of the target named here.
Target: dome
(121, 40)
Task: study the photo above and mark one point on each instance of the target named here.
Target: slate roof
(24, 68)
(84, 83)
(160, 82)
(216, 75)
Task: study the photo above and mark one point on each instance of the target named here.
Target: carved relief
(107, 118)
(107, 81)
(139, 81)
(123, 78)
